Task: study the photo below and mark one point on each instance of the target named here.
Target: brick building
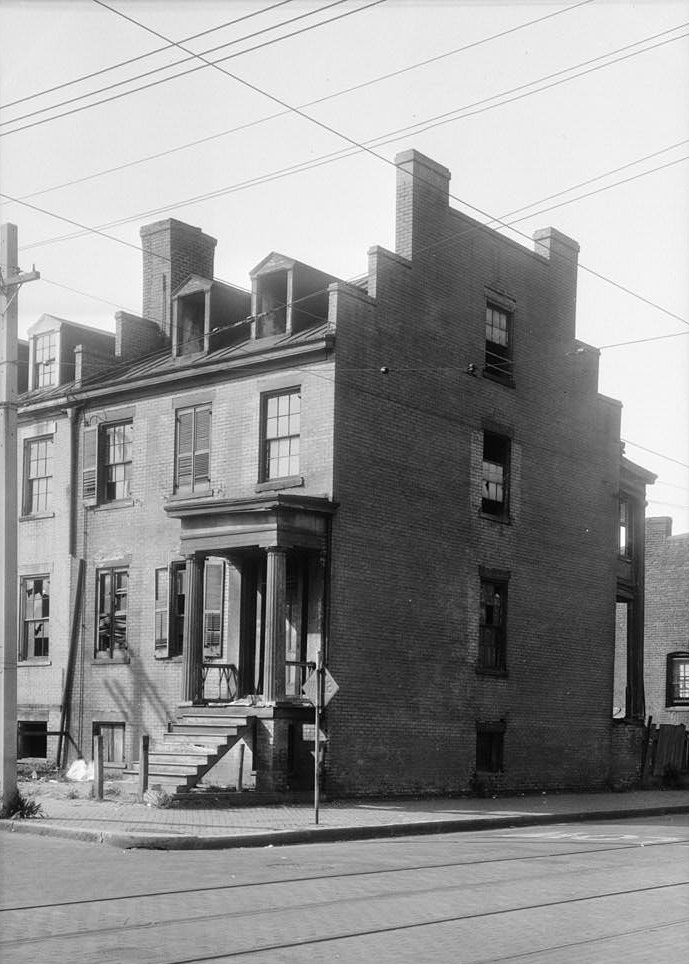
(414, 473)
(667, 623)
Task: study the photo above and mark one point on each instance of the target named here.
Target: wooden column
(193, 631)
(276, 612)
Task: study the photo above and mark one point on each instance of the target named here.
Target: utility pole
(11, 279)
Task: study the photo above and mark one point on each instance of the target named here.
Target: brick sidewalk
(125, 823)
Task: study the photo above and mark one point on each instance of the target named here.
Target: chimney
(423, 202)
(172, 250)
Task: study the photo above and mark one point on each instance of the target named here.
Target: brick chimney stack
(172, 250)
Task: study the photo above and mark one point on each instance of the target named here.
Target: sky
(580, 108)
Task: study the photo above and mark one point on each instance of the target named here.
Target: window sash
(117, 459)
(45, 360)
(678, 679)
(495, 474)
(113, 587)
(38, 475)
(493, 626)
(213, 594)
(35, 618)
(281, 435)
(498, 341)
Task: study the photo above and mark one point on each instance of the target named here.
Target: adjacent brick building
(414, 473)
(667, 623)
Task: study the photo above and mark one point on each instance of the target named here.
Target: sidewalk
(128, 824)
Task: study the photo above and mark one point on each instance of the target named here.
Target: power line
(642, 341)
(183, 73)
(360, 146)
(312, 103)
(339, 155)
(177, 63)
(133, 60)
(660, 455)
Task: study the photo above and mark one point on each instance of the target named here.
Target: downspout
(65, 706)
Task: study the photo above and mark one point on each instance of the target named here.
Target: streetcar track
(234, 915)
(238, 884)
(392, 928)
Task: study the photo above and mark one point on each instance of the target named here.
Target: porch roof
(212, 525)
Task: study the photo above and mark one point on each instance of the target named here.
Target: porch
(254, 587)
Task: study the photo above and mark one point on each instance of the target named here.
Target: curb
(277, 838)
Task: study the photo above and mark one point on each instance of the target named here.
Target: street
(585, 892)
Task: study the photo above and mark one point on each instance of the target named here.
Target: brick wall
(172, 251)
(408, 539)
(144, 692)
(667, 613)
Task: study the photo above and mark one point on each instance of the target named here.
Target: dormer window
(272, 304)
(45, 360)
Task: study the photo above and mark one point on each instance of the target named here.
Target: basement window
(32, 739)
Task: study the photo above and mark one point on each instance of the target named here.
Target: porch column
(193, 630)
(276, 614)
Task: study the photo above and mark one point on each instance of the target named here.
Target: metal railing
(219, 682)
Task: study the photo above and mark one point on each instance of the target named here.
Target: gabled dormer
(287, 296)
(206, 315)
(52, 344)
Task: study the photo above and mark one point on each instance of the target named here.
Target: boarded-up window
(493, 626)
(113, 741)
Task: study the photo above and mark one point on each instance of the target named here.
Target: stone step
(186, 759)
(189, 719)
(182, 746)
(172, 782)
(201, 732)
(205, 741)
(173, 769)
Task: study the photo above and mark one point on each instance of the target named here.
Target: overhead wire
(312, 103)
(144, 56)
(166, 67)
(365, 148)
(332, 130)
(183, 73)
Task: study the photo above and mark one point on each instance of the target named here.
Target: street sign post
(319, 688)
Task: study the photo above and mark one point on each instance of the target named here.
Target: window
(112, 612)
(170, 589)
(625, 547)
(32, 739)
(45, 360)
(118, 460)
(113, 741)
(214, 578)
(281, 428)
(495, 479)
(677, 679)
(38, 475)
(490, 739)
(107, 468)
(492, 648)
(498, 343)
(35, 618)
(192, 449)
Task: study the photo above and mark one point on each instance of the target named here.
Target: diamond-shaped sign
(310, 687)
